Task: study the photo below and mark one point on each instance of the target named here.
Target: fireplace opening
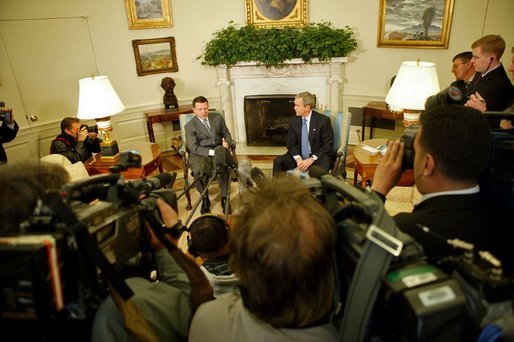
(266, 119)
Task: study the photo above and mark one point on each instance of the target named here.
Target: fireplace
(266, 119)
(325, 79)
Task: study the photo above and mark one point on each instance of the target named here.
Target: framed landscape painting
(416, 24)
(270, 13)
(144, 14)
(154, 56)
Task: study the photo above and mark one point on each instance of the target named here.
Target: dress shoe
(223, 202)
(206, 206)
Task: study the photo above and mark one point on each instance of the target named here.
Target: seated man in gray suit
(204, 133)
(310, 138)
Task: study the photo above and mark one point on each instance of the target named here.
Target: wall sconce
(99, 101)
(414, 82)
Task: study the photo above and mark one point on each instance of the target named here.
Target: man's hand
(476, 101)
(82, 134)
(304, 164)
(169, 218)
(389, 168)
(225, 143)
(506, 124)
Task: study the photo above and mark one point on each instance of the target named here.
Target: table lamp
(99, 101)
(414, 82)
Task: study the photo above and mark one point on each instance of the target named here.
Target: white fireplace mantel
(324, 79)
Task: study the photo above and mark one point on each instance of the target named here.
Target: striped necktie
(306, 150)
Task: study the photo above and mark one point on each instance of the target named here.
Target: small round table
(366, 163)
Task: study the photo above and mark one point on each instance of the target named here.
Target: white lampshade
(97, 98)
(414, 82)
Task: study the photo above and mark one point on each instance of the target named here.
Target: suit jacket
(465, 217)
(200, 141)
(321, 136)
(6, 135)
(495, 88)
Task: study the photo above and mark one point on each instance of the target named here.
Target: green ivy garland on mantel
(274, 46)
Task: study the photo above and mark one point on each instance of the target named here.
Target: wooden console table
(377, 109)
(164, 115)
(150, 161)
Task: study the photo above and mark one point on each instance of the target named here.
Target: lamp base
(109, 151)
(410, 117)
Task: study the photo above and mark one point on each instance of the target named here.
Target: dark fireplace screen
(266, 119)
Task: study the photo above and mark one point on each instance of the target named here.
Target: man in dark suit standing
(8, 130)
(204, 133)
(451, 151)
(310, 138)
(491, 85)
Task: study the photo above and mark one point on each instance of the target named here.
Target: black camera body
(90, 129)
(5, 114)
(408, 137)
(410, 298)
(45, 273)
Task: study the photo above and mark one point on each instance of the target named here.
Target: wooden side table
(366, 164)
(150, 161)
(164, 115)
(377, 109)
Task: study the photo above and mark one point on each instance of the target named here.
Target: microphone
(222, 158)
(243, 174)
(153, 183)
(206, 168)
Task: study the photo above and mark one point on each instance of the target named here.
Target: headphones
(202, 224)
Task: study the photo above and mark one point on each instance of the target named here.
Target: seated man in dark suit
(452, 148)
(315, 146)
(204, 133)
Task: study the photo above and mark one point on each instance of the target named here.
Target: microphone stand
(195, 206)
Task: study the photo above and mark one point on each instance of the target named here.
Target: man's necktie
(206, 124)
(305, 140)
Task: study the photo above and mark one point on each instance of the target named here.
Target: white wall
(367, 73)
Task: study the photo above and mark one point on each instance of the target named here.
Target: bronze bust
(169, 98)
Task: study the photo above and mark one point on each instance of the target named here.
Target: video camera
(388, 289)
(47, 271)
(5, 114)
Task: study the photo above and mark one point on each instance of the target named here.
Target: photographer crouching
(76, 142)
(8, 130)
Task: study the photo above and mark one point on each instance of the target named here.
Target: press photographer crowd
(313, 259)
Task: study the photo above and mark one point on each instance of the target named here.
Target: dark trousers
(287, 162)
(195, 163)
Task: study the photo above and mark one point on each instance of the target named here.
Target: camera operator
(22, 183)
(208, 239)
(75, 141)
(282, 252)
(8, 130)
(451, 150)
(165, 304)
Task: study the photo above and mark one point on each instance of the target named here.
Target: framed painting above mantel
(276, 13)
(415, 24)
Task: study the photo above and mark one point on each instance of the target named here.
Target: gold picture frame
(396, 28)
(155, 56)
(276, 13)
(145, 14)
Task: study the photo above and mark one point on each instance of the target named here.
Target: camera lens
(409, 134)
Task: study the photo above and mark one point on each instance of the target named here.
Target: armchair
(184, 153)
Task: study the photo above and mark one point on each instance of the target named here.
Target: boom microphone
(153, 183)
(222, 158)
(206, 168)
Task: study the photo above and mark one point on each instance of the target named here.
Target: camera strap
(378, 251)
